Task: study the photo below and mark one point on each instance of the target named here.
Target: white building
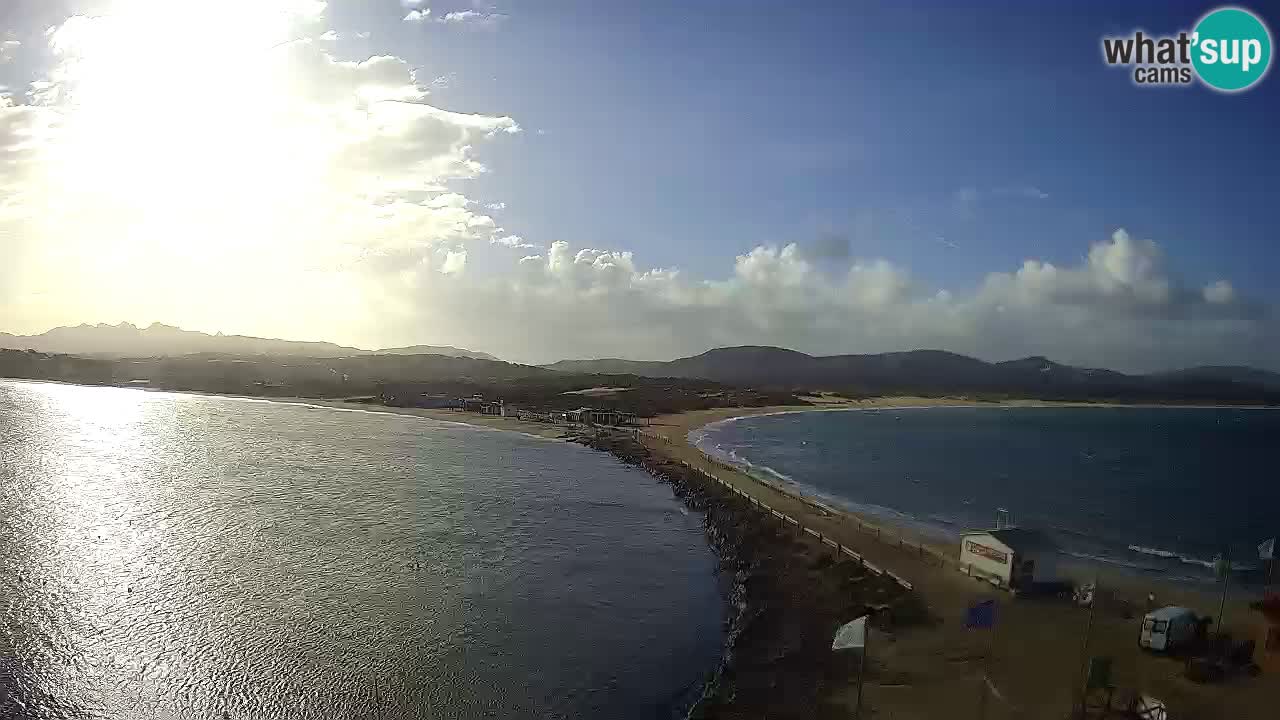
(1010, 557)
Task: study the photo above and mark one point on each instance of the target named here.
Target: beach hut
(1011, 557)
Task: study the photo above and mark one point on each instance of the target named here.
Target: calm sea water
(166, 555)
(1154, 490)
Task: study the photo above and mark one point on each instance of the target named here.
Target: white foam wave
(1153, 551)
(1111, 561)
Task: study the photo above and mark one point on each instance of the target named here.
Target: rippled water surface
(1152, 490)
(166, 555)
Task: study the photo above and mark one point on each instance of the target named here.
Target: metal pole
(1083, 678)
(862, 664)
(1226, 579)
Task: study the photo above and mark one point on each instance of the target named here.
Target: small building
(471, 404)
(591, 416)
(1011, 557)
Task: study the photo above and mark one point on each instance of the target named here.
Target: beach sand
(1038, 644)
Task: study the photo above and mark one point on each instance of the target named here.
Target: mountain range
(159, 340)
(937, 371)
(926, 372)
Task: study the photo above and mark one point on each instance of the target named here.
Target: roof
(1021, 540)
(1170, 612)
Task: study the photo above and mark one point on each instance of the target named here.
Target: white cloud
(454, 263)
(206, 160)
(256, 182)
(513, 241)
(472, 17)
(1219, 292)
(1117, 308)
(8, 49)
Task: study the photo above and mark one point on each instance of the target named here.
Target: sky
(549, 180)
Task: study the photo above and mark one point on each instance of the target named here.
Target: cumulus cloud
(1219, 292)
(214, 161)
(8, 49)
(514, 241)
(263, 184)
(1118, 307)
(472, 17)
(419, 15)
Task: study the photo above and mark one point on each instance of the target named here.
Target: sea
(170, 555)
(1153, 491)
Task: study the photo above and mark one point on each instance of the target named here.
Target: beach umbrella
(853, 636)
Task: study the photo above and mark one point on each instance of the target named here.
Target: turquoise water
(1152, 490)
(167, 555)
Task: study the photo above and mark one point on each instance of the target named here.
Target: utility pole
(862, 665)
(1226, 579)
(1083, 678)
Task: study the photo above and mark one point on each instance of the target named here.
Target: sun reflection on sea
(94, 461)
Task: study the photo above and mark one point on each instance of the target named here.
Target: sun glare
(180, 112)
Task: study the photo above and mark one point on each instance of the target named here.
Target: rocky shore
(786, 595)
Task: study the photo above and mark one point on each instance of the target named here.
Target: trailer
(1168, 629)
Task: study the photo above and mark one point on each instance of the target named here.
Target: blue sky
(583, 179)
(690, 132)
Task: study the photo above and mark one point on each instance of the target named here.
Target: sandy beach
(1038, 644)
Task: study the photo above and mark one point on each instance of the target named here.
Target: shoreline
(1050, 632)
(1082, 567)
(786, 593)
(922, 671)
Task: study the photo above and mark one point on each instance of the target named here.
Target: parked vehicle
(1168, 629)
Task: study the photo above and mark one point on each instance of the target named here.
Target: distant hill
(935, 372)
(267, 374)
(610, 366)
(159, 340)
(445, 350)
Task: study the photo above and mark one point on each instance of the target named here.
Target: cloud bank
(256, 182)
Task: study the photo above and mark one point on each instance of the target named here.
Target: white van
(1168, 628)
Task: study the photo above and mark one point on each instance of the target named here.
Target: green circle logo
(1231, 49)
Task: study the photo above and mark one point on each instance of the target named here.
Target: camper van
(1168, 629)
